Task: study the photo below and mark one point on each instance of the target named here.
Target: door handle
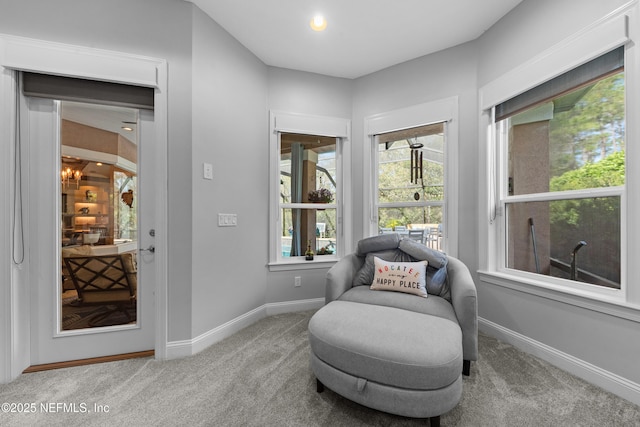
(151, 249)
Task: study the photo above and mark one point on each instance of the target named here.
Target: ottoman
(390, 359)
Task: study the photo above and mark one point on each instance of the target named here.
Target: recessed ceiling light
(127, 128)
(318, 23)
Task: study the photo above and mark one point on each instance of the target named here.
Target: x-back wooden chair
(104, 280)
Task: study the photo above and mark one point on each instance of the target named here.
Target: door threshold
(91, 361)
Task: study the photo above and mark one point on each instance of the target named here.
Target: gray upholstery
(392, 351)
(394, 400)
(377, 243)
(465, 303)
(461, 287)
(433, 305)
(347, 336)
(340, 276)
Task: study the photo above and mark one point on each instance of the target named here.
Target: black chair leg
(319, 386)
(434, 421)
(466, 367)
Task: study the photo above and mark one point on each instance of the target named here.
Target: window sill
(323, 261)
(613, 304)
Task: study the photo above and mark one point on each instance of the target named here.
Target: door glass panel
(99, 216)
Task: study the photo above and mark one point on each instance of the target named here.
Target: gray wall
(609, 342)
(532, 27)
(230, 132)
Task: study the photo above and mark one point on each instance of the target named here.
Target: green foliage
(591, 130)
(595, 220)
(391, 223)
(606, 173)
(395, 186)
(609, 172)
(125, 217)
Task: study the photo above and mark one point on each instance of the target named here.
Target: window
(411, 183)
(308, 190)
(561, 180)
(411, 156)
(309, 182)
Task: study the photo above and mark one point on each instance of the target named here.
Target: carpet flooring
(260, 376)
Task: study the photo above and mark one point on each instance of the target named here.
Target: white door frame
(23, 54)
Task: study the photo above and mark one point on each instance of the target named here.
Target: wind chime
(416, 160)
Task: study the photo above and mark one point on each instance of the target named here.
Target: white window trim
(614, 30)
(440, 111)
(285, 122)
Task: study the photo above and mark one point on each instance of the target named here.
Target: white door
(46, 231)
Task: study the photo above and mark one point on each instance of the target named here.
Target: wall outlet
(296, 282)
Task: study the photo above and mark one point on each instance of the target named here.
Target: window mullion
(409, 204)
(565, 195)
(308, 205)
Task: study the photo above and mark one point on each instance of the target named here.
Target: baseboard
(293, 306)
(593, 374)
(184, 348)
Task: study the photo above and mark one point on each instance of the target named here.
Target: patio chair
(108, 280)
(417, 235)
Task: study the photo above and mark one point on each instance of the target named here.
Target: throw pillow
(437, 269)
(364, 276)
(83, 250)
(407, 277)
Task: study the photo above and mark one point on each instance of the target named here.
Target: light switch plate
(207, 171)
(227, 220)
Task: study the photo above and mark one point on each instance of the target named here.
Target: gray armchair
(462, 295)
(362, 349)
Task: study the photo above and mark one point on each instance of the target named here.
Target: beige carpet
(260, 377)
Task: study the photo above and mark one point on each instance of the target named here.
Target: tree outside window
(411, 182)
(565, 180)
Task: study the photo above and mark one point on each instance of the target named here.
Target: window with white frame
(561, 175)
(307, 188)
(412, 156)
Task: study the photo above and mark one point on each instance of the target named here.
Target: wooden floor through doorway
(81, 362)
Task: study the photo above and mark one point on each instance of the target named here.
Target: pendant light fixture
(68, 175)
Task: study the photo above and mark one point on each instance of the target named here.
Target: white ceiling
(104, 117)
(362, 36)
